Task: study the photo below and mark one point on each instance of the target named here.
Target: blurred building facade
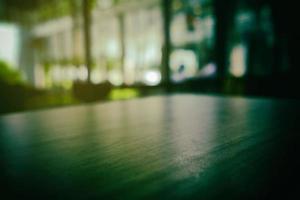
(209, 39)
(126, 46)
(127, 43)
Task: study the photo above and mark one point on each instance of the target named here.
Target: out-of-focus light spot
(70, 73)
(208, 70)
(245, 21)
(9, 41)
(82, 73)
(40, 78)
(96, 77)
(183, 64)
(56, 73)
(112, 48)
(238, 61)
(203, 30)
(245, 17)
(73, 72)
(129, 71)
(115, 77)
(152, 78)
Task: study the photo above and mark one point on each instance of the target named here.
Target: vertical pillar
(87, 35)
(167, 15)
(122, 43)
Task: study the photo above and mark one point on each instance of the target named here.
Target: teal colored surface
(165, 147)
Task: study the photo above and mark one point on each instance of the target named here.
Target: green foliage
(37, 11)
(127, 93)
(9, 75)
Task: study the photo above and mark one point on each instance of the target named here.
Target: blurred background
(63, 52)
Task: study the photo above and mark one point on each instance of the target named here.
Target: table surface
(162, 147)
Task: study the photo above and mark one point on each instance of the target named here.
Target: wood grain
(164, 147)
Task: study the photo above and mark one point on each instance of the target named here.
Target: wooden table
(164, 147)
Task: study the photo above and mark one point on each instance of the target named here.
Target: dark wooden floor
(174, 147)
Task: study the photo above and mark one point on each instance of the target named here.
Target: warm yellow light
(238, 61)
